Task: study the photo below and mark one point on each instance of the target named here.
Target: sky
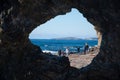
(72, 24)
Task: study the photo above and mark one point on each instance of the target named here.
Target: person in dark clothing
(78, 49)
(86, 48)
(59, 52)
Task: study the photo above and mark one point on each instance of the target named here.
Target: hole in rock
(70, 31)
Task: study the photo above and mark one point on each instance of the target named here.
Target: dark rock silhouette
(20, 60)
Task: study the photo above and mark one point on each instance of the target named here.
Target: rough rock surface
(19, 59)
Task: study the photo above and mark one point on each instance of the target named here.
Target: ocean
(53, 45)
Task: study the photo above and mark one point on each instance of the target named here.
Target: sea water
(53, 45)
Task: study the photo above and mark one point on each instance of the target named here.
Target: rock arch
(22, 60)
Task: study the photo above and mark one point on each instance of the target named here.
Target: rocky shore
(82, 60)
(79, 60)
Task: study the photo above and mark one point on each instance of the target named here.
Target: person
(62, 53)
(86, 48)
(78, 49)
(59, 52)
(67, 51)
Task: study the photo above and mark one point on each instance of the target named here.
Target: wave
(49, 51)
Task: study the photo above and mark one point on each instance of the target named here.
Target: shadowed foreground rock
(20, 60)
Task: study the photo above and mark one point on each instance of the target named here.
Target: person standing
(78, 49)
(67, 51)
(59, 52)
(86, 48)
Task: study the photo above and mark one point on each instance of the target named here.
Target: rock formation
(19, 59)
(99, 35)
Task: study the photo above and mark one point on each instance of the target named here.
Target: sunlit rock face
(19, 59)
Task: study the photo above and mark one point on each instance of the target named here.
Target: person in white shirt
(67, 51)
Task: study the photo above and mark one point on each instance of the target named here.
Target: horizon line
(66, 38)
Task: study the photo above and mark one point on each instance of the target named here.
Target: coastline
(79, 60)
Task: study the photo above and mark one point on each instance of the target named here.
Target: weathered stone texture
(19, 59)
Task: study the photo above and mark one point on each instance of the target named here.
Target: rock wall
(99, 35)
(19, 59)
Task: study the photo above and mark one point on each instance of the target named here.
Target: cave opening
(22, 60)
(68, 31)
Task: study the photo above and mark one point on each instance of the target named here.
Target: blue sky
(73, 24)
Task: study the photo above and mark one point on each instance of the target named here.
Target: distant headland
(75, 38)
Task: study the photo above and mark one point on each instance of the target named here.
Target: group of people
(62, 53)
(67, 52)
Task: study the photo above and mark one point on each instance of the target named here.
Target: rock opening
(71, 30)
(19, 59)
